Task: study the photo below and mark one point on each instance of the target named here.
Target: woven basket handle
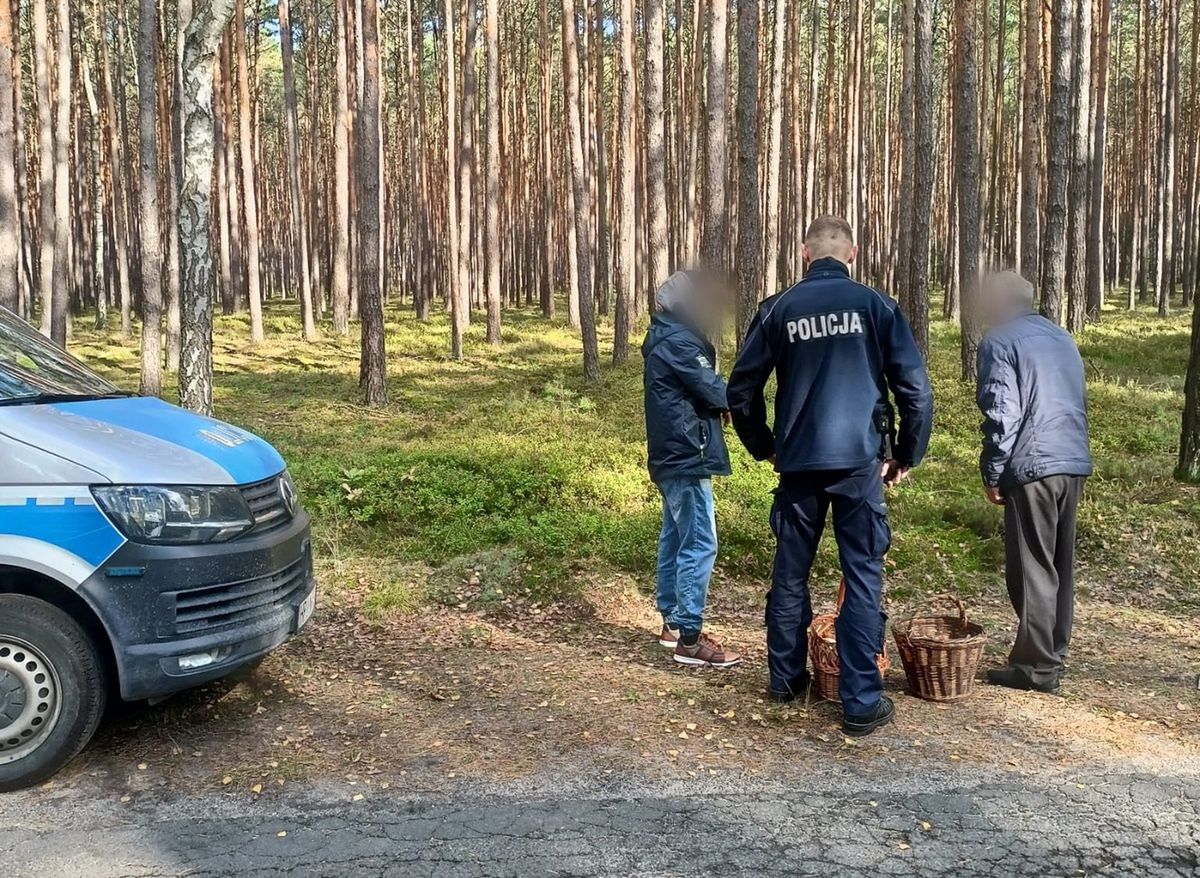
(949, 598)
(841, 598)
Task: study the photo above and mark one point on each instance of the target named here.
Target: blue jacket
(1034, 401)
(684, 398)
(836, 347)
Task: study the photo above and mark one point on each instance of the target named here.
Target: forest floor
(486, 546)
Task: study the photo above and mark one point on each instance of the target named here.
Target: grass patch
(505, 465)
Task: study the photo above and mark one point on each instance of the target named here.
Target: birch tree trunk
(209, 20)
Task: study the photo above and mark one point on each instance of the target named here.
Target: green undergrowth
(509, 454)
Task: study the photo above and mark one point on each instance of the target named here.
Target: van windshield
(33, 369)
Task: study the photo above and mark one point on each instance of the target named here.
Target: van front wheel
(52, 690)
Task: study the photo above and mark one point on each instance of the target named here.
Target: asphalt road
(960, 822)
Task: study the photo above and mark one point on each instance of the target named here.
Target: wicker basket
(940, 654)
(822, 647)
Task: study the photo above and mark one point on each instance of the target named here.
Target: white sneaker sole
(668, 644)
(700, 663)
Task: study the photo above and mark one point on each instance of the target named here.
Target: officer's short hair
(1009, 288)
(827, 228)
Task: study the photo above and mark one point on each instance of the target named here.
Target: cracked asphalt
(841, 821)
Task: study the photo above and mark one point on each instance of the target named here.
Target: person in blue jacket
(1034, 462)
(685, 410)
(837, 348)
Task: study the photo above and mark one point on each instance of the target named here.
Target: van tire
(82, 688)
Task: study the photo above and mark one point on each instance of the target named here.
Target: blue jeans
(687, 551)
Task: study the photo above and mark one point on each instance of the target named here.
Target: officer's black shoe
(1015, 678)
(798, 688)
(864, 724)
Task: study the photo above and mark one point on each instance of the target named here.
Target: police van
(143, 550)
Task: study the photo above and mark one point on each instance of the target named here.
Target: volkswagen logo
(287, 492)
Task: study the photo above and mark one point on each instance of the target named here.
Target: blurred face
(1002, 297)
(710, 299)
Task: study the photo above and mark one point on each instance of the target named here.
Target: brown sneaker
(669, 637)
(706, 652)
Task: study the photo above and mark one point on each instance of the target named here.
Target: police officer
(836, 348)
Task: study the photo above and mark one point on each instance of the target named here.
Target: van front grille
(200, 610)
(266, 503)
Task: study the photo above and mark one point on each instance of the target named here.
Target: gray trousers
(1039, 550)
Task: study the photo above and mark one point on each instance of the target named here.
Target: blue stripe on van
(240, 453)
(80, 529)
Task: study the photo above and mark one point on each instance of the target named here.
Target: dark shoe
(706, 652)
(1015, 678)
(798, 688)
(669, 637)
(864, 724)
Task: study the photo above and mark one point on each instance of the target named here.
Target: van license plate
(306, 609)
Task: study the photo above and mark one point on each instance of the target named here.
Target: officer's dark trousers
(860, 525)
(1039, 542)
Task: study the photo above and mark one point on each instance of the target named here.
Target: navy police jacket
(1033, 397)
(837, 347)
(684, 399)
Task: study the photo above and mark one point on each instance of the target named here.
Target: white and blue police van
(143, 550)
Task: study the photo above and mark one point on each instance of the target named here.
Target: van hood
(143, 441)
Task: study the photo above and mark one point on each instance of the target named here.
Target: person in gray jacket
(1034, 463)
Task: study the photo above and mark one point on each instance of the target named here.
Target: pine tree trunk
(151, 232)
(1079, 185)
(545, 97)
(9, 218)
(249, 195)
(715, 221)
(748, 256)
(1058, 149)
(295, 208)
(587, 309)
(656, 146)
(492, 198)
(775, 152)
(373, 368)
(209, 20)
(916, 299)
(1099, 211)
(966, 179)
(1032, 123)
(45, 112)
(627, 204)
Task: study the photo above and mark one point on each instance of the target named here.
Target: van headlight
(175, 515)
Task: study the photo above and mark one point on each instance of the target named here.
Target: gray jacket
(1034, 402)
